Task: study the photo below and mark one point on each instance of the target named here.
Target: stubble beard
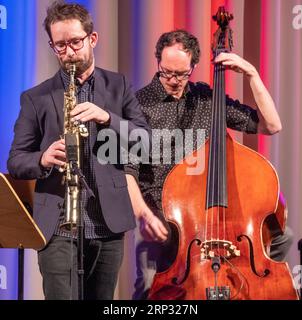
(81, 65)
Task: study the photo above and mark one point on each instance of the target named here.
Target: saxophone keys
(83, 131)
(62, 168)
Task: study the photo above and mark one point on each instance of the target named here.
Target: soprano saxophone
(73, 131)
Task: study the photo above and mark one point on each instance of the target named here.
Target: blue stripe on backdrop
(137, 37)
(17, 73)
(88, 4)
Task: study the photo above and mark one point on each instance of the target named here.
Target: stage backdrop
(268, 33)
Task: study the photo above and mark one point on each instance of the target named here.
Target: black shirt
(191, 111)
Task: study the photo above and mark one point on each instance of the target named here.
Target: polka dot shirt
(190, 113)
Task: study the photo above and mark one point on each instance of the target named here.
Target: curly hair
(189, 42)
(60, 11)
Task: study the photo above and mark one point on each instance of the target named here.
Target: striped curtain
(267, 33)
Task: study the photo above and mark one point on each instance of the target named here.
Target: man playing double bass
(171, 102)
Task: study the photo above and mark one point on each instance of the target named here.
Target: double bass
(222, 215)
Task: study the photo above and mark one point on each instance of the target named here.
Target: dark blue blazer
(40, 123)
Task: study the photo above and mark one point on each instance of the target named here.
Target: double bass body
(246, 273)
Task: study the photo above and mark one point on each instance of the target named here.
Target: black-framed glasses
(75, 44)
(179, 76)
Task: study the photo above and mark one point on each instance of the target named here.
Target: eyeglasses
(75, 44)
(179, 76)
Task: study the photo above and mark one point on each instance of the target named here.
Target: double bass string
(213, 151)
(209, 172)
(217, 150)
(223, 118)
(210, 161)
(219, 111)
(219, 142)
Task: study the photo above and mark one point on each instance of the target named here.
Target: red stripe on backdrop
(265, 45)
(181, 10)
(194, 16)
(201, 24)
(198, 22)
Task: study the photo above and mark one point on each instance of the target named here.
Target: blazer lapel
(99, 90)
(57, 94)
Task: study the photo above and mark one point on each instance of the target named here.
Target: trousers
(58, 266)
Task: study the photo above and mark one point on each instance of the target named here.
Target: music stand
(17, 227)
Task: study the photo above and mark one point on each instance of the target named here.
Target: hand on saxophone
(88, 111)
(54, 155)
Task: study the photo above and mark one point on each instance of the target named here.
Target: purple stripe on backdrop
(17, 56)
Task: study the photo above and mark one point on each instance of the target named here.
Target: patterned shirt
(94, 224)
(191, 111)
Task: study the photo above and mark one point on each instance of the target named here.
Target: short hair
(60, 11)
(190, 43)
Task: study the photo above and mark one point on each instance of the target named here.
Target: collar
(162, 94)
(66, 79)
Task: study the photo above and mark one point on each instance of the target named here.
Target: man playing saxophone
(104, 99)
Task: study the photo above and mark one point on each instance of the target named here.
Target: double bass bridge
(217, 247)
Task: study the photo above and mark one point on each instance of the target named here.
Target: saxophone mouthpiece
(72, 68)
